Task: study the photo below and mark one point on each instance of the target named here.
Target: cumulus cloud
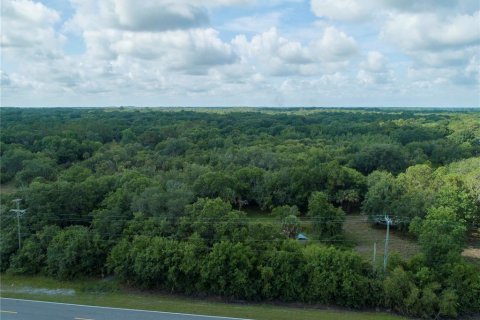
(147, 15)
(180, 49)
(29, 27)
(4, 79)
(256, 23)
(335, 45)
(361, 10)
(175, 51)
(173, 34)
(434, 34)
(273, 53)
(376, 62)
(430, 5)
(374, 70)
(281, 57)
(440, 44)
(270, 43)
(153, 15)
(427, 31)
(343, 10)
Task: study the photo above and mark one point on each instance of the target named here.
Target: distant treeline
(156, 198)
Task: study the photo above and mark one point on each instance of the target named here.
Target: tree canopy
(210, 201)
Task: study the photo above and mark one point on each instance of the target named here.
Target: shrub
(72, 253)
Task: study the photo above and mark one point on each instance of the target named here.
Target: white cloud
(440, 44)
(361, 10)
(28, 28)
(335, 45)
(374, 70)
(4, 79)
(273, 53)
(154, 15)
(343, 10)
(428, 31)
(165, 32)
(430, 5)
(376, 62)
(195, 48)
(255, 23)
(473, 68)
(282, 57)
(190, 52)
(145, 15)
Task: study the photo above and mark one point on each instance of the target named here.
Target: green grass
(255, 214)
(108, 293)
(8, 188)
(472, 251)
(364, 236)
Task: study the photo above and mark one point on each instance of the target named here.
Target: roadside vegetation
(110, 294)
(210, 203)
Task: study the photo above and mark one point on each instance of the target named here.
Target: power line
(19, 213)
(385, 251)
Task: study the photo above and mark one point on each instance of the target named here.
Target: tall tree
(441, 235)
(327, 220)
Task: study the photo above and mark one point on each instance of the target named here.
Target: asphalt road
(17, 309)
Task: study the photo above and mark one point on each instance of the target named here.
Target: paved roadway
(18, 309)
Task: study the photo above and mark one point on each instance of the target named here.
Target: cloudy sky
(240, 53)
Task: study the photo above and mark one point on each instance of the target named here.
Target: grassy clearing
(93, 292)
(256, 215)
(8, 188)
(364, 236)
(472, 251)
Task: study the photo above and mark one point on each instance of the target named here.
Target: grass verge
(108, 293)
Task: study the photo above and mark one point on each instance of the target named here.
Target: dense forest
(161, 199)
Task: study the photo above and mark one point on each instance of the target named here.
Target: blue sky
(240, 53)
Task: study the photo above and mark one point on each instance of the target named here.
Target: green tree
(202, 217)
(215, 184)
(41, 167)
(441, 235)
(72, 253)
(12, 162)
(340, 277)
(383, 195)
(153, 258)
(282, 273)
(380, 156)
(285, 211)
(327, 220)
(229, 270)
(31, 258)
(250, 186)
(458, 199)
(291, 226)
(157, 202)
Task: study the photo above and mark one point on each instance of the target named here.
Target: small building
(301, 237)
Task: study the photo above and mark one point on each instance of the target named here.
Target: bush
(419, 291)
(229, 271)
(340, 277)
(72, 253)
(31, 258)
(327, 220)
(282, 272)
